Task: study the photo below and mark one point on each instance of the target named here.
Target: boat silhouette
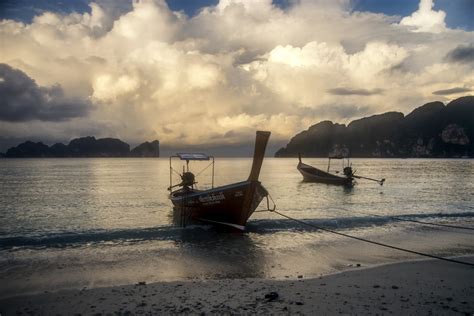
(313, 174)
(230, 205)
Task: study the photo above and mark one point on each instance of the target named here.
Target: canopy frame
(191, 157)
(345, 161)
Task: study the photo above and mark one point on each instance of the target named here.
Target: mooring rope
(427, 223)
(405, 219)
(373, 242)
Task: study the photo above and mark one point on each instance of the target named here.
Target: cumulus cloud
(23, 100)
(450, 91)
(240, 65)
(426, 19)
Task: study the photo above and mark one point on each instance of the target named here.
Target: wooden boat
(229, 205)
(312, 174)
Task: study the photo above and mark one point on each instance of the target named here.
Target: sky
(209, 73)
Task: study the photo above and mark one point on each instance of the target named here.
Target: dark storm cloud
(462, 54)
(247, 57)
(451, 91)
(349, 91)
(21, 99)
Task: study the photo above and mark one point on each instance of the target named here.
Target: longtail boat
(313, 174)
(229, 205)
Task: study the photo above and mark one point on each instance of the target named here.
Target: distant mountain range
(432, 130)
(84, 147)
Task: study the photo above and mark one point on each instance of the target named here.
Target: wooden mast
(261, 141)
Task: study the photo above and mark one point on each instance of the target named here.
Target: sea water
(74, 223)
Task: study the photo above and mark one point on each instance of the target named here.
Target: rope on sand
(373, 242)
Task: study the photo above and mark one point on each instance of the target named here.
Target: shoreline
(57, 270)
(421, 286)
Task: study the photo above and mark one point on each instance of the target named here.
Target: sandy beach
(417, 287)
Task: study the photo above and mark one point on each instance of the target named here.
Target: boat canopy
(193, 156)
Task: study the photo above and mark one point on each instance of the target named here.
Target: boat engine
(348, 172)
(187, 179)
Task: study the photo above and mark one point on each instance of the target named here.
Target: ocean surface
(75, 223)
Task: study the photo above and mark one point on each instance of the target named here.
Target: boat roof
(193, 156)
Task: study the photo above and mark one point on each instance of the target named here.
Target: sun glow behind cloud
(239, 66)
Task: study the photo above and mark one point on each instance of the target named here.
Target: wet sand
(419, 287)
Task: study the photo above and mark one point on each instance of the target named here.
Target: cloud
(343, 112)
(215, 77)
(456, 90)
(23, 100)
(349, 91)
(462, 54)
(426, 19)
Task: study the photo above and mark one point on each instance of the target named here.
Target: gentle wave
(353, 222)
(193, 232)
(80, 238)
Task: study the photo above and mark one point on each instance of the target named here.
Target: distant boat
(229, 205)
(313, 174)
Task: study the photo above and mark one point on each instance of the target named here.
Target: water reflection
(211, 253)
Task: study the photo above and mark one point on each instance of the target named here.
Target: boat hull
(229, 205)
(311, 174)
